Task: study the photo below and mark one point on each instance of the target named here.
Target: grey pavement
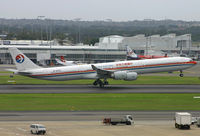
(87, 115)
(92, 89)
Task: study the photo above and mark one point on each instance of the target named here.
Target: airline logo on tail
(19, 58)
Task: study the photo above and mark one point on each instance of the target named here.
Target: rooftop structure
(109, 48)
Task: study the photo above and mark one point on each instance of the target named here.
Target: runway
(88, 115)
(18, 89)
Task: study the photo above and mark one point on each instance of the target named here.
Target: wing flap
(101, 72)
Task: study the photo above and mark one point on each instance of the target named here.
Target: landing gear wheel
(181, 75)
(106, 83)
(95, 83)
(101, 84)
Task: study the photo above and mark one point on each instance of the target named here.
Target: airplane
(64, 62)
(122, 70)
(133, 56)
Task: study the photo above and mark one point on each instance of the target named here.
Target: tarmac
(146, 123)
(96, 128)
(19, 89)
(88, 115)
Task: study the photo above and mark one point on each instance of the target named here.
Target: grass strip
(98, 102)
(5, 79)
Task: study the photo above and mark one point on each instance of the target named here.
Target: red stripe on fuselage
(117, 68)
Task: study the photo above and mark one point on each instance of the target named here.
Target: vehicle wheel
(181, 75)
(31, 132)
(176, 125)
(128, 123)
(114, 123)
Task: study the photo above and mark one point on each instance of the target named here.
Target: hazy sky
(117, 10)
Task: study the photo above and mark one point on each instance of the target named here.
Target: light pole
(79, 29)
(40, 17)
(146, 52)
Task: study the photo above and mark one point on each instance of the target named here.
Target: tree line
(88, 32)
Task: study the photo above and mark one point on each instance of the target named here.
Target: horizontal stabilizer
(15, 71)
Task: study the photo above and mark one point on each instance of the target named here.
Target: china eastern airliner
(122, 70)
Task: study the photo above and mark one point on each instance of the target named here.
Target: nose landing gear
(181, 73)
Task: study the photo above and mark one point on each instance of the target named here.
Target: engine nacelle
(124, 75)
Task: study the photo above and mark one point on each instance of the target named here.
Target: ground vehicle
(128, 120)
(198, 122)
(183, 120)
(37, 129)
(194, 120)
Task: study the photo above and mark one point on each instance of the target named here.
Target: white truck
(127, 120)
(183, 120)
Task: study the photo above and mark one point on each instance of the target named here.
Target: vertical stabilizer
(21, 61)
(130, 52)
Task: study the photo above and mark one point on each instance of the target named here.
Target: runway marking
(7, 131)
(49, 132)
(196, 97)
(22, 129)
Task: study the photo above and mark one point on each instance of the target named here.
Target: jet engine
(124, 75)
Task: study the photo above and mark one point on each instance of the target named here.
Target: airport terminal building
(109, 48)
(86, 54)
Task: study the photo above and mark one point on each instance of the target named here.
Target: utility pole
(146, 52)
(40, 17)
(190, 43)
(79, 29)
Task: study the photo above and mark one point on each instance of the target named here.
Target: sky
(89, 10)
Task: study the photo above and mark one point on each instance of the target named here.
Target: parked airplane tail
(62, 58)
(130, 53)
(21, 61)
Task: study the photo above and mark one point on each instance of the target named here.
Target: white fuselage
(65, 63)
(86, 71)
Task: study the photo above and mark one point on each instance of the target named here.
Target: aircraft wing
(101, 72)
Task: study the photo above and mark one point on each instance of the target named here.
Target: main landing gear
(181, 73)
(100, 83)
